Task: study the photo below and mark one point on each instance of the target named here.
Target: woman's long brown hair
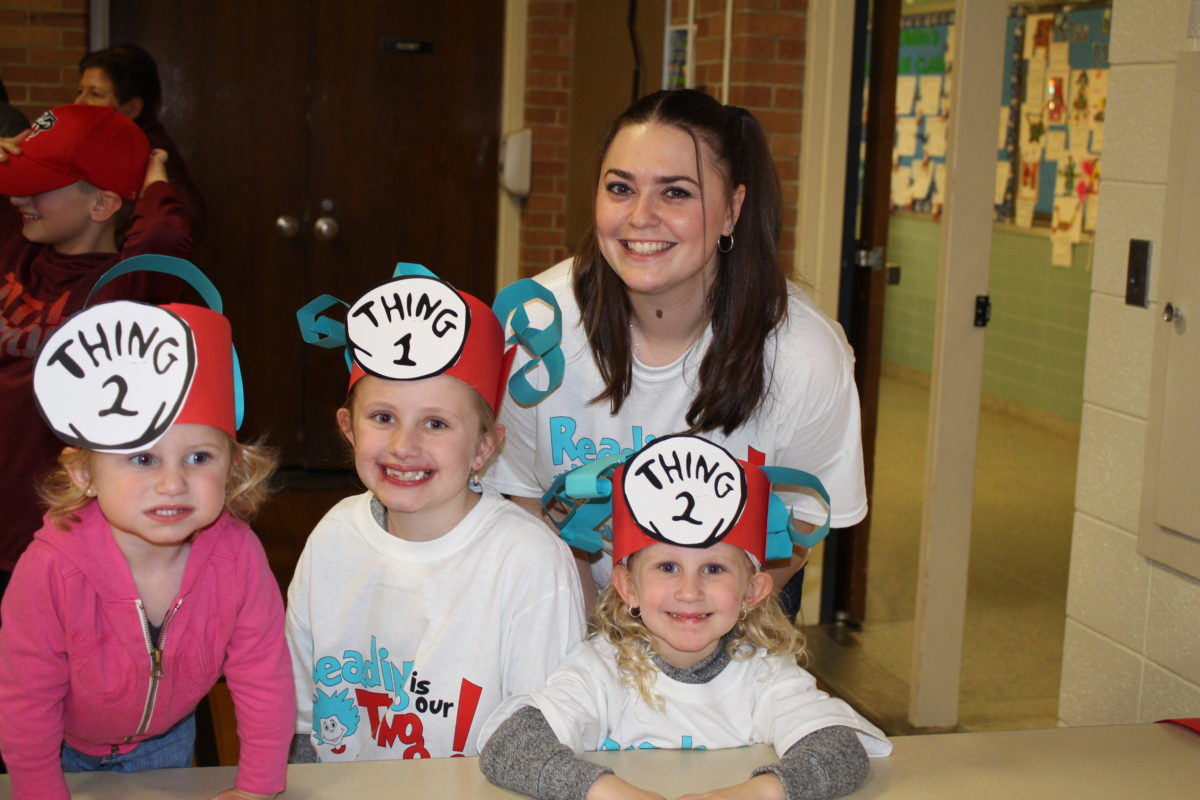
(748, 298)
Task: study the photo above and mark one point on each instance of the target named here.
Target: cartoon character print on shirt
(385, 703)
(335, 721)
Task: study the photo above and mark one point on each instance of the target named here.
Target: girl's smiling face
(690, 597)
(659, 213)
(416, 444)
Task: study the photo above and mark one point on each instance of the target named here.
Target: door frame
(956, 380)
(512, 118)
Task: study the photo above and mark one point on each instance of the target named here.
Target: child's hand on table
(238, 794)
(610, 787)
(760, 787)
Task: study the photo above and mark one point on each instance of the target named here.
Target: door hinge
(983, 310)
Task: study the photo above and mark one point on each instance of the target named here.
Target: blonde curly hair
(247, 485)
(764, 626)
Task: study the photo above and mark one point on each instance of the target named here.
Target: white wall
(1132, 646)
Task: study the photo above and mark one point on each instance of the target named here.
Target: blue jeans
(172, 749)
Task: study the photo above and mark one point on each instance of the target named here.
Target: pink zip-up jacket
(76, 663)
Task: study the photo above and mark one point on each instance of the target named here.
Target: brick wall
(41, 42)
(766, 76)
(547, 112)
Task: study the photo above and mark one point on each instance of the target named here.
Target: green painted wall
(1037, 337)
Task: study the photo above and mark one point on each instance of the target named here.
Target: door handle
(287, 226)
(325, 229)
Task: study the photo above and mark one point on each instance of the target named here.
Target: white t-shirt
(809, 419)
(402, 649)
(761, 700)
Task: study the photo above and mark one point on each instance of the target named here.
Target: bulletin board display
(1049, 164)
(1050, 131)
(922, 111)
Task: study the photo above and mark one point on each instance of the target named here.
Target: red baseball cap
(72, 143)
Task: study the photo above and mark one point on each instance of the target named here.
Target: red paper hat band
(748, 533)
(483, 363)
(71, 143)
(210, 400)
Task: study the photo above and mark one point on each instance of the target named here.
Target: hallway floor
(1017, 584)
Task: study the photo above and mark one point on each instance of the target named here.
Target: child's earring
(635, 611)
(474, 482)
(745, 611)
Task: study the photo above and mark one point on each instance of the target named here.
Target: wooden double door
(330, 140)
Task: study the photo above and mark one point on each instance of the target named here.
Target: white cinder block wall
(1132, 647)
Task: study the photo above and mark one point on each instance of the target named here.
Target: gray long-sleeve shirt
(525, 756)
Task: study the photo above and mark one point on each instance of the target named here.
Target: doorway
(1024, 469)
(331, 141)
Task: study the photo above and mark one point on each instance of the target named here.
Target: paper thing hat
(115, 376)
(682, 490)
(416, 326)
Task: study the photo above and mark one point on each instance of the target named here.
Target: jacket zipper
(156, 654)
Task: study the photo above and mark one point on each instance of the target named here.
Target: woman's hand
(238, 794)
(156, 169)
(760, 787)
(610, 787)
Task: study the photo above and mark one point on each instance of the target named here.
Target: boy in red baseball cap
(83, 192)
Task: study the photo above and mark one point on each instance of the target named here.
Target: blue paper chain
(542, 344)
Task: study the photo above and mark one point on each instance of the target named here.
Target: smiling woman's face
(657, 218)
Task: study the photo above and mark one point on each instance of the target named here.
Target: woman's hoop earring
(745, 611)
(725, 242)
(635, 611)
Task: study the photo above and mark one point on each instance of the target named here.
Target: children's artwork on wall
(922, 109)
(1058, 86)
(935, 137)
(1003, 174)
(1050, 127)
(906, 94)
(1065, 228)
(929, 96)
(1040, 33)
(902, 191)
(907, 136)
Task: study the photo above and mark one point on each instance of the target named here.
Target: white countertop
(1120, 761)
